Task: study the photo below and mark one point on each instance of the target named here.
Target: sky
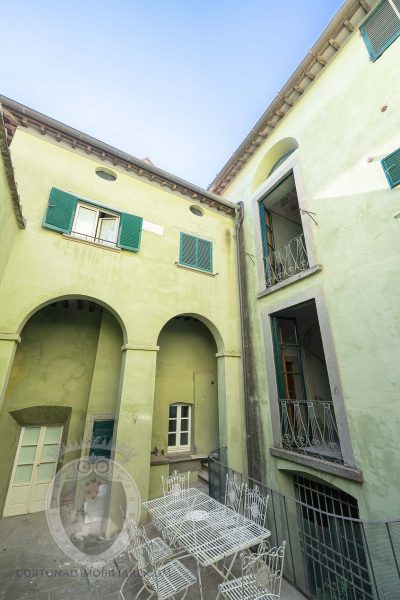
(179, 81)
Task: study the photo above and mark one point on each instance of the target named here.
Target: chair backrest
(255, 505)
(262, 572)
(175, 483)
(133, 533)
(233, 492)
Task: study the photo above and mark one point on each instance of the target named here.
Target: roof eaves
(20, 115)
(325, 48)
(9, 170)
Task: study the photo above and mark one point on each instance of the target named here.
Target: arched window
(280, 161)
(179, 427)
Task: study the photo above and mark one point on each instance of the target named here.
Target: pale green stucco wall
(338, 125)
(143, 290)
(187, 373)
(53, 366)
(8, 222)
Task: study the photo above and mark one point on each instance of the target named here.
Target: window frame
(95, 239)
(373, 54)
(180, 447)
(290, 166)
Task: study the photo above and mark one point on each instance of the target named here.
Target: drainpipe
(243, 306)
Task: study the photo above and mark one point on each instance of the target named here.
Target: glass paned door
(34, 468)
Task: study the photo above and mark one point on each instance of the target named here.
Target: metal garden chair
(233, 492)
(175, 483)
(161, 550)
(164, 580)
(255, 505)
(261, 576)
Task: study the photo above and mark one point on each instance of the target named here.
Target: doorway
(34, 468)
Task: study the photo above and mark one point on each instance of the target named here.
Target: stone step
(203, 474)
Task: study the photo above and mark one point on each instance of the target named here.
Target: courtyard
(33, 566)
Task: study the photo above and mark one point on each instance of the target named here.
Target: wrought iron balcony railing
(286, 261)
(309, 427)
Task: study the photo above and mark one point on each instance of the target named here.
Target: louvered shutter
(195, 252)
(391, 166)
(381, 28)
(60, 211)
(204, 255)
(130, 232)
(188, 250)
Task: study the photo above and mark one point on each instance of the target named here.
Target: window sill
(72, 238)
(290, 281)
(167, 459)
(180, 266)
(316, 463)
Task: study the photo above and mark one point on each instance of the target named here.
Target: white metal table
(205, 528)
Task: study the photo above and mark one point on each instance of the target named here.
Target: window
(308, 419)
(95, 225)
(381, 27)
(195, 252)
(391, 166)
(284, 246)
(179, 427)
(69, 214)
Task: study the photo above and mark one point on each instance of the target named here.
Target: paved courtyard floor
(33, 567)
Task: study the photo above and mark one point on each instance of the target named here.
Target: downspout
(243, 305)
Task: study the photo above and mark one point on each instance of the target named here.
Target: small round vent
(106, 174)
(196, 210)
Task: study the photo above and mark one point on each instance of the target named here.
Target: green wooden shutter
(130, 232)
(188, 250)
(204, 255)
(195, 252)
(60, 211)
(391, 166)
(381, 29)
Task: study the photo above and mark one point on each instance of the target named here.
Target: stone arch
(278, 150)
(60, 298)
(209, 324)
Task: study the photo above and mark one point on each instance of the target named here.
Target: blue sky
(180, 81)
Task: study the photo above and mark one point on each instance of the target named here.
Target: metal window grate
(333, 548)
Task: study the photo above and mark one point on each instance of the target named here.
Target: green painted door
(101, 440)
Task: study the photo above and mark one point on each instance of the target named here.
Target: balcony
(286, 261)
(309, 427)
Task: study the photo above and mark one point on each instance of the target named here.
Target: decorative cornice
(318, 58)
(19, 115)
(12, 186)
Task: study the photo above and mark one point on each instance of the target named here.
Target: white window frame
(98, 223)
(178, 446)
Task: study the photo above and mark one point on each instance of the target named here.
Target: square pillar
(134, 414)
(230, 403)
(8, 346)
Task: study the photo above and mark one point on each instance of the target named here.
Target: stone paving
(29, 556)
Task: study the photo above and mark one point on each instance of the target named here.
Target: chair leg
(124, 582)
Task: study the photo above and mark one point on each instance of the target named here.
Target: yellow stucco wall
(143, 290)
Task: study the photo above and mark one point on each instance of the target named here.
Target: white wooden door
(34, 468)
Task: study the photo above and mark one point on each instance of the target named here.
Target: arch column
(134, 415)
(230, 406)
(8, 346)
